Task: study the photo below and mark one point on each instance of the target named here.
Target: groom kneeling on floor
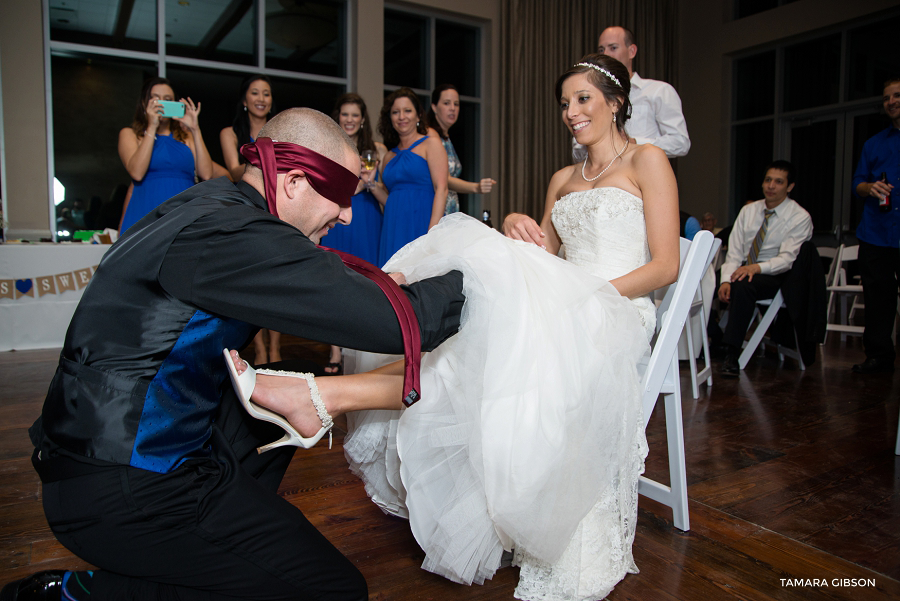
(147, 460)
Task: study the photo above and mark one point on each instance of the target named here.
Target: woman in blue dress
(362, 235)
(413, 186)
(441, 117)
(254, 107)
(161, 154)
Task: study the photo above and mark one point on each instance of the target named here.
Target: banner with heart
(48, 284)
(24, 288)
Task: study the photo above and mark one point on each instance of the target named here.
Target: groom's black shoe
(43, 586)
(874, 366)
(731, 367)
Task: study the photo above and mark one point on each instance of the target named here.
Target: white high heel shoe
(245, 383)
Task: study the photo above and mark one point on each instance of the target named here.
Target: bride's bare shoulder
(559, 182)
(645, 155)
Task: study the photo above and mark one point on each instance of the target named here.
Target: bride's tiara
(602, 70)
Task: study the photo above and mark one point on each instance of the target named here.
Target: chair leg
(677, 467)
(897, 447)
(706, 356)
(674, 495)
(760, 330)
(692, 360)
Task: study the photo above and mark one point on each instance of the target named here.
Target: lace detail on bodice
(604, 232)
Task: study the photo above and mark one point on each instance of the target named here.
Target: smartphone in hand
(171, 109)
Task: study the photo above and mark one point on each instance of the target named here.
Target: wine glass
(368, 157)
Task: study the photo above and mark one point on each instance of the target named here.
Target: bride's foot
(281, 398)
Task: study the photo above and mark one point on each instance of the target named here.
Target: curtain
(539, 40)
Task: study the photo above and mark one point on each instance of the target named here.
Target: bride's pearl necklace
(607, 167)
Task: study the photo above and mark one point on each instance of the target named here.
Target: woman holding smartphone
(160, 152)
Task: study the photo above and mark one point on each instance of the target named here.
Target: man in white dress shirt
(656, 116)
(759, 257)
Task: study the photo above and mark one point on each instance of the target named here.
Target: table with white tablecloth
(40, 286)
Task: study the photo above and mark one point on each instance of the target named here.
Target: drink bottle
(885, 203)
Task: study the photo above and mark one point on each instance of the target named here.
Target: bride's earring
(614, 118)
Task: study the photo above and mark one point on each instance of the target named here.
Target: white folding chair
(661, 376)
(698, 314)
(897, 447)
(845, 291)
(774, 305)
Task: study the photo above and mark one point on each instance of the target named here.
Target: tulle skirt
(529, 434)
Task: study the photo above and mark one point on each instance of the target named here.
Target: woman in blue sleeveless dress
(414, 175)
(161, 156)
(362, 236)
(255, 105)
(442, 116)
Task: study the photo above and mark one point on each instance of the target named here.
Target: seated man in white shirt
(656, 116)
(763, 245)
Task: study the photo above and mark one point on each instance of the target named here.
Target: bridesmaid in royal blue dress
(414, 174)
(161, 154)
(362, 236)
(255, 105)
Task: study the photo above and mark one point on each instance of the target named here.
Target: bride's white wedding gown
(529, 435)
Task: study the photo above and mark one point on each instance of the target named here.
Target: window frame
(783, 120)
(480, 101)
(163, 60)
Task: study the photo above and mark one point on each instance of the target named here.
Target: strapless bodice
(604, 232)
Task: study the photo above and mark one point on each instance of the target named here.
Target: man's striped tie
(760, 236)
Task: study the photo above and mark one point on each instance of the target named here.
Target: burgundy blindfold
(332, 180)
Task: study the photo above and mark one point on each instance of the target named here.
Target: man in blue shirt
(879, 236)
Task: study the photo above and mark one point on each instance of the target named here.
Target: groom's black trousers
(214, 528)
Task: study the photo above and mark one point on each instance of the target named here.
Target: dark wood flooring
(792, 476)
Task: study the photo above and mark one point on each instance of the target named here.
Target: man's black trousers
(211, 529)
(879, 267)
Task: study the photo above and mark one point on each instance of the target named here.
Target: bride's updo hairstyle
(607, 75)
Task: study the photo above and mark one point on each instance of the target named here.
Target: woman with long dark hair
(362, 235)
(413, 175)
(442, 115)
(161, 154)
(254, 107)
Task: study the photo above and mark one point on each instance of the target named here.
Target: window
(102, 51)
(871, 57)
(406, 50)
(812, 73)
(745, 8)
(422, 51)
(131, 26)
(210, 30)
(813, 102)
(754, 79)
(309, 37)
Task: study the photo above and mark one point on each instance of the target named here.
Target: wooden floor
(792, 476)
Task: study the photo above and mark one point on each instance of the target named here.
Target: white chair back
(672, 313)
(662, 377)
